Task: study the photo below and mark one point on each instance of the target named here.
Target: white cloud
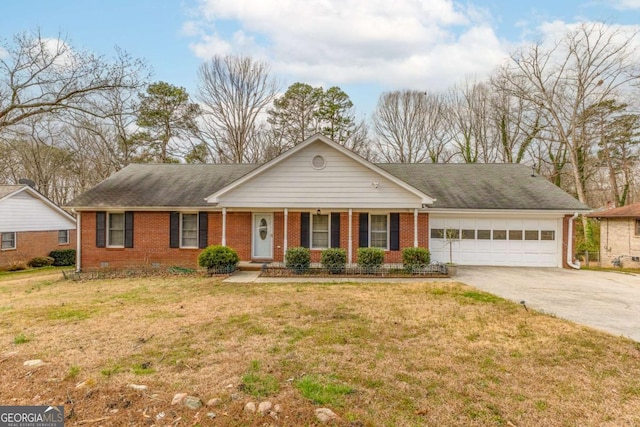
(400, 44)
(627, 4)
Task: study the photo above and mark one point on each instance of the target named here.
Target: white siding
(342, 183)
(24, 212)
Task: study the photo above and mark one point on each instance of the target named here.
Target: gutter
(78, 243)
(570, 263)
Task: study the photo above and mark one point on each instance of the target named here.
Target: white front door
(262, 235)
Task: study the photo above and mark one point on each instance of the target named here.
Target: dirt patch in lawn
(117, 352)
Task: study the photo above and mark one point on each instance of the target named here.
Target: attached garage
(495, 240)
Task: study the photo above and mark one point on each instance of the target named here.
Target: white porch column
(224, 227)
(415, 228)
(350, 245)
(78, 243)
(285, 243)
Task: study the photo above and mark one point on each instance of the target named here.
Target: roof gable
(23, 208)
(343, 172)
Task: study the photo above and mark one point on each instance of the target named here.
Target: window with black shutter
(174, 229)
(101, 229)
(335, 229)
(305, 219)
(363, 230)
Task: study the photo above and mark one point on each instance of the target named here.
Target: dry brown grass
(433, 353)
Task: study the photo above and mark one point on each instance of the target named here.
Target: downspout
(570, 263)
(285, 240)
(78, 243)
(223, 241)
(415, 228)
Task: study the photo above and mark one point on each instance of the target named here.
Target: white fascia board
(499, 212)
(8, 196)
(215, 197)
(144, 208)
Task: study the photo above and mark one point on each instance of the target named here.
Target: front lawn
(377, 354)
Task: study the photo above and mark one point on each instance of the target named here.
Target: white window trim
(108, 231)
(15, 241)
(197, 229)
(66, 242)
(388, 230)
(311, 245)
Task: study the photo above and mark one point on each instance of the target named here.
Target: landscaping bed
(386, 270)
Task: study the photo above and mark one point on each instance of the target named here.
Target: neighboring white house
(31, 225)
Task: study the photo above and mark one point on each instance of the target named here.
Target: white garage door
(495, 241)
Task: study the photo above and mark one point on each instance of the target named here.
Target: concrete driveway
(607, 301)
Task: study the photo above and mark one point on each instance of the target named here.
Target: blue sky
(364, 46)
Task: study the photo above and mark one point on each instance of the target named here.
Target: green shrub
(415, 258)
(370, 258)
(217, 258)
(63, 257)
(40, 261)
(334, 259)
(298, 259)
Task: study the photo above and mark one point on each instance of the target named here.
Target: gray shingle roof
(156, 185)
(628, 211)
(484, 186)
(455, 186)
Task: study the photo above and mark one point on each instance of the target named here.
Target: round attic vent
(318, 162)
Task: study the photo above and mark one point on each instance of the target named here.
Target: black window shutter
(203, 228)
(128, 229)
(101, 232)
(335, 229)
(174, 229)
(394, 229)
(304, 229)
(363, 240)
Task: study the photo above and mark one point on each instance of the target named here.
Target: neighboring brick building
(320, 195)
(31, 225)
(619, 236)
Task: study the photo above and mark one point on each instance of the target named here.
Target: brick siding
(618, 238)
(151, 239)
(31, 244)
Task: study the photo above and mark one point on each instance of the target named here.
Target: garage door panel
(524, 249)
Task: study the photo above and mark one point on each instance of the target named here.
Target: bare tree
(234, 91)
(41, 76)
(409, 127)
(587, 66)
(471, 129)
(518, 122)
(37, 153)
